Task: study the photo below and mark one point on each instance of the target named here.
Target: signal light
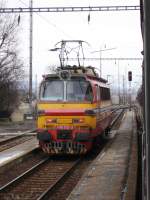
(130, 76)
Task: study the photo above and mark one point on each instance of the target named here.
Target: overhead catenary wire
(140, 59)
(49, 22)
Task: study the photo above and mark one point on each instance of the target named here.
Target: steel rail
(14, 137)
(23, 175)
(59, 181)
(70, 9)
(118, 116)
(108, 134)
(65, 174)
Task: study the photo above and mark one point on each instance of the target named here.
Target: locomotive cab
(74, 89)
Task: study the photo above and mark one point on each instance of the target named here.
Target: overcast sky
(119, 30)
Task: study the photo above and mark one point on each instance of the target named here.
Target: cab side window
(105, 93)
(89, 94)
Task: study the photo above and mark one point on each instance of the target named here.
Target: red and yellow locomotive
(74, 108)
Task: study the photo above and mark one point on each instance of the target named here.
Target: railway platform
(15, 152)
(112, 176)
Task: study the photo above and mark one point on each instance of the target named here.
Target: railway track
(19, 165)
(51, 178)
(5, 137)
(13, 141)
(36, 182)
(117, 120)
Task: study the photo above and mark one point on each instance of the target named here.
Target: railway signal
(130, 79)
(130, 76)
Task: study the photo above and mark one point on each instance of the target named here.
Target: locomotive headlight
(78, 120)
(49, 121)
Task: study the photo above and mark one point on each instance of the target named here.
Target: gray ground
(6, 126)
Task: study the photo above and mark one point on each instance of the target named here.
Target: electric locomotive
(74, 108)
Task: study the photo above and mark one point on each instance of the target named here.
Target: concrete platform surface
(107, 176)
(17, 151)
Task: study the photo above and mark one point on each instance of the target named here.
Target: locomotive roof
(77, 72)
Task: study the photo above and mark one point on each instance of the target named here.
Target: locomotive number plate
(64, 121)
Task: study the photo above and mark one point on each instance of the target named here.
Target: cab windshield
(70, 90)
(79, 91)
(52, 90)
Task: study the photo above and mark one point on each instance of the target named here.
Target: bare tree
(10, 64)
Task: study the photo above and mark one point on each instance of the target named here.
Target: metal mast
(119, 82)
(147, 92)
(71, 9)
(30, 51)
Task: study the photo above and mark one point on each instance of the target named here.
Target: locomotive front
(65, 117)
